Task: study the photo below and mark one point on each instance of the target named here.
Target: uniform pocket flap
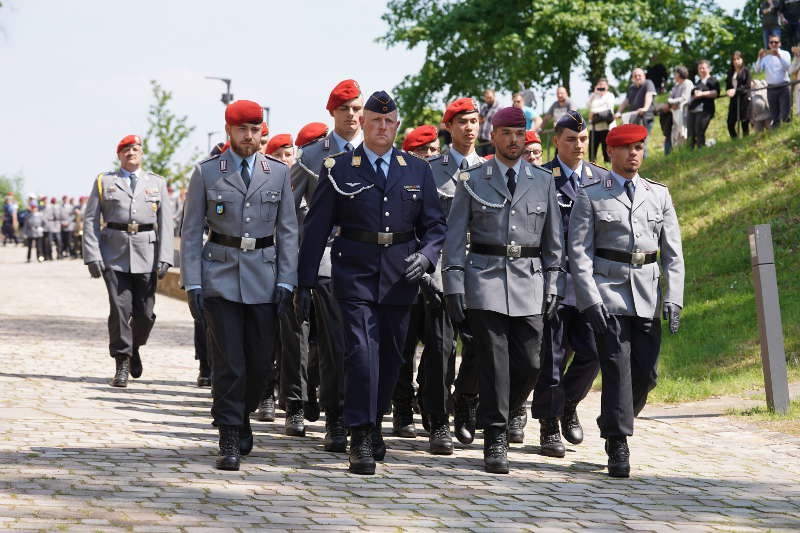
(655, 216)
(217, 195)
(215, 252)
(536, 265)
(268, 254)
(601, 266)
(477, 261)
(270, 196)
(537, 208)
(609, 216)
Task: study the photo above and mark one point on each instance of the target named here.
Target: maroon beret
(310, 132)
(420, 136)
(344, 91)
(279, 141)
(626, 134)
(462, 105)
(532, 137)
(244, 111)
(509, 117)
(128, 140)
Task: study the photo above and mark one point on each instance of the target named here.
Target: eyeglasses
(774, 42)
(599, 88)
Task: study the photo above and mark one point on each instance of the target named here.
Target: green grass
(719, 192)
(786, 423)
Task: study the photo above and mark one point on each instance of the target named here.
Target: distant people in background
(664, 114)
(33, 231)
(760, 115)
(701, 106)
(422, 141)
(10, 219)
(678, 102)
(518, 100)
(638, 102)
(657, 73)
(281, 147)
(533, 148)
(775, 63)
(770, 25)
(790, 9)
(794, 73)
(558, 109)
(601, 118)
(488, 109)
(738, 90)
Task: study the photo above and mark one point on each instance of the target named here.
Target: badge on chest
(220, 208)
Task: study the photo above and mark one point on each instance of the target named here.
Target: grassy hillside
(719, 192)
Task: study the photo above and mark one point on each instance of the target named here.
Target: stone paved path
(77, 455)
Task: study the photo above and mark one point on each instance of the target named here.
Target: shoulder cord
(350, 194)
(481, 200)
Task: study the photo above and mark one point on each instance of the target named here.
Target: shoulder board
(154, 175)
(590, 181)
(313, 142)
(209, 158)
(540, 167)
(274, 159)
(654, 182)
(479, 164)
(109, 172)
(433, 158)
(336, 154)
(601, 167)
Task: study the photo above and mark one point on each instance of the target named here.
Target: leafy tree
(11, 184)
(165, 134)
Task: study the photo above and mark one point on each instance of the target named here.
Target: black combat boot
(204, 375)
(295, 427)
(361, 459)
(335, 433)
(570, 425)
(136, 364)
(403, 421)
(245, 436)
(618, 457)
(123, 368)
(518, 418)
(229, 455)
(550, 438)
(266, 409)
(378, 444)
(440, 441)
(465, 417)
(495, 450)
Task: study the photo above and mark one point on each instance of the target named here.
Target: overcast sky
(76, 74)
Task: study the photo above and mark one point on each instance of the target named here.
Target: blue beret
(380, 102)
(572, 120)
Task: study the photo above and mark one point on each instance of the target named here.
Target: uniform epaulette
(274, 159)
(336, 154)
(601, 167)
(655, 182)
(590, 182)
(433, 158)
(209, 158)
(540, 167)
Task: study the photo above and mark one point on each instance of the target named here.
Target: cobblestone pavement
(77, 455)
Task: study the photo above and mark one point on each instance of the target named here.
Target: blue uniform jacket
(351, 195)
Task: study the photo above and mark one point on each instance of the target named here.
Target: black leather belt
(372, 237)
(133, 227)
(243, 243)
(633, 259)
(511, 250)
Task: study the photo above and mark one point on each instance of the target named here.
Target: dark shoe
(550, 438)
(136, 365)
(441, 443)
(495, 451)
(335, 434)
(361, 459)
(465, 418)
(246, 436)
(123, 367)
(378, 444)
(295, 427)
(516, 425)
(618, 457)
(203, 381)
(570, 425)
(266, 410)
(311, 407)
(229, 455)
(403, 422)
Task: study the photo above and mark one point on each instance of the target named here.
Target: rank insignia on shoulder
(556, 172)
(329, 162)
(609, 183)
(463, 176)
(223, 165)
(588, 170)
(412, 188)
(401, 161)
(356, 161)
(326, 143)
(265, 166)
(528, 171)
(489, 171)
(445, 158)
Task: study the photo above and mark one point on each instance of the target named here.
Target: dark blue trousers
(374, 339)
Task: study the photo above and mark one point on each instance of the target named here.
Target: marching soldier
(391, 232)
(346, 107)
(52, 224)
(243, 277)
(511, 276)
(131, 247)
(67, 226)
(281, 147)
(617, 229)
(558, 391)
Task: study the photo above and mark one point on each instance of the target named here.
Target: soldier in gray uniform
(67, 226)
(512, 276)
(131, 243)
(52, 226)
(617, 229)
(243, 276)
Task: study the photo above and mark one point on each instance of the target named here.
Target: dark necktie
(245, 174)
(133, 181)
(573, 180)
(379, 168)
(511, 183)
(464, 164)
(629, 189)
(348, 147)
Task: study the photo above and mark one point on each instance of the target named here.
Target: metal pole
(773, 356)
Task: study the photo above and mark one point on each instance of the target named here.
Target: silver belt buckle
(248, 243)
(514, 251)
(133, 227)
(637, 258)
(385, 238)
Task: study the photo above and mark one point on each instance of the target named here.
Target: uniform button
(339, 254)
(512, 212)
(209, 254)
(247, 204)
(483, 207)
(387, 228)
(386, 213)
(385, 198)
(219, 197)
(247, 219)
(134, 211)
(637, 234)
(246, 234)
(513, 227)
(538, 208)
(513, 243)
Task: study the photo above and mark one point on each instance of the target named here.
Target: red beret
(419, 136)
(488, 157)
(344, 91)
(509, 117)
(310, 132)
(532, 137)
(244, 111)
(225, 146)
(462, 105)
(626, 134)
(279, 141)
(264, 129)
(128, 140)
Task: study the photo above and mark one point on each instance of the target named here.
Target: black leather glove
(163, 268)
(418, 264)
(598, 317)
(195, 297)
(283, 299)
(431, 293)
(302, 303)
(551, 306)
(456, 307)
(672, 313)
(96, 268)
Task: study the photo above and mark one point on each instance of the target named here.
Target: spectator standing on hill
(790, 9)
(701, 106)
(678, 101)
(775, 63)
(639, 101)
(518, 100)
(738, 90)
(601, 118)
(558, 109)
(770, 25)
(485, 114)
(794, 72)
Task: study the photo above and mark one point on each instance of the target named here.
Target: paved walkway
(77, 455)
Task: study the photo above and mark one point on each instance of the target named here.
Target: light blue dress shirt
(566, 171)
(341, 141)
(621, 180)
(372, 157)
(503, 168)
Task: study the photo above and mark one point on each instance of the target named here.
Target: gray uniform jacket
(137, 253)
(218, 197)
(305, 176)
(68, 217)
(53, 216)
(34, 226)
(483, 206)
(603, 217)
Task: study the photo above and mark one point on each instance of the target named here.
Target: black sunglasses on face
(600, 89)
(774, 42)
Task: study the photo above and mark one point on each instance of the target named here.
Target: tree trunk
(596, 56)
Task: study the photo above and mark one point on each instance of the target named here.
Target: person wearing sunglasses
(601, 118)
(775, 63)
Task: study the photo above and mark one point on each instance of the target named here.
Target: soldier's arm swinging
(553, 256)
(91, 231)
(194, 214)
(672, 265)
(581, 256)
(166, 232)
